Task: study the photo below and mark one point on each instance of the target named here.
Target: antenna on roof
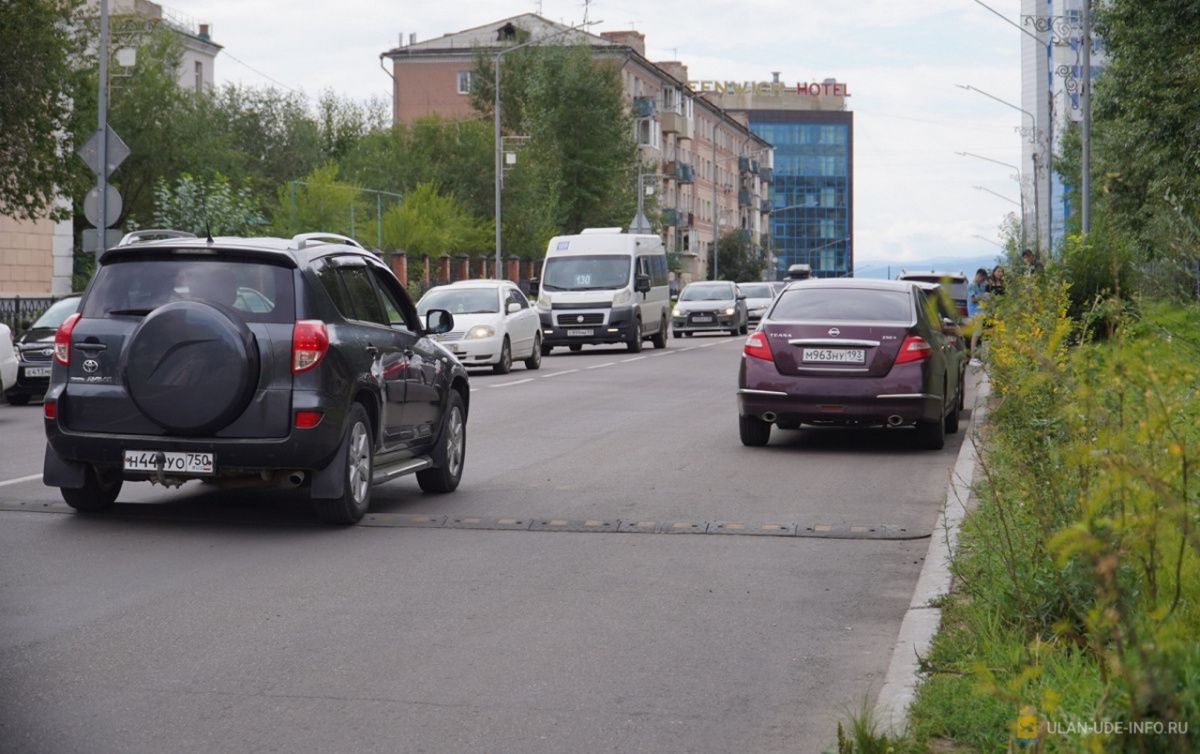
(587, 5)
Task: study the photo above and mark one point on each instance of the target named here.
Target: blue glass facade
(812, 196)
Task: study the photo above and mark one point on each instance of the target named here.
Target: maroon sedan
(851, 352)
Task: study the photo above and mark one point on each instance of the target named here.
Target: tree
(738, 259)
(320, 202)
(38, 80)
(201, 207)
(428, 223)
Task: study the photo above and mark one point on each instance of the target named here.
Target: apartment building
(713, 173)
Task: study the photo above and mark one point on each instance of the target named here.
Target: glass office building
(812, 194)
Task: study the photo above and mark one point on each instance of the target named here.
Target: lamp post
(1008, 199)
(496, 109)
(1049, 147)
(1022, 184)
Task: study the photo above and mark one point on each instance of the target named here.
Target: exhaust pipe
(895, 420)
(295, 478)
(769, 416)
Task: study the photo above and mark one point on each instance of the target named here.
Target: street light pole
(1020, 181)
(997, 194)
(1086, 156)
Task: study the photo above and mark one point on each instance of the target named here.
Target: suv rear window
(259, 292)
(843, 305)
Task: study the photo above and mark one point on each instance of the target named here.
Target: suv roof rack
(141, 235)
(301, 239)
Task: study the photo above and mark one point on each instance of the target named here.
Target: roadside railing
(16, 311)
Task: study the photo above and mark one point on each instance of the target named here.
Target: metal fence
(17, 311)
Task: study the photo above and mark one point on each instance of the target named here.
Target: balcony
(764, 206)
(747, 165)
(670, 218)
(766, 175)
(677, 123)
(744, 198)
(644, 107)
(679, 171)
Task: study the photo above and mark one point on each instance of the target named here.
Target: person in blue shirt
(977, 292)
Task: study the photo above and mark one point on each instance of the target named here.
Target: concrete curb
(921, 621)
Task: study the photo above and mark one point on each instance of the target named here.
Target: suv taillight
(62, 340)
(310, 341)
(758, 347)
(914, 348)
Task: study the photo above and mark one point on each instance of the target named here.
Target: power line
(272, 79)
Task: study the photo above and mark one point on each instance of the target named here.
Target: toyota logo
(47, 351)
(579, 319)
(834, 332)
(90, 365)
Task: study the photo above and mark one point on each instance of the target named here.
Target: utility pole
(102, 129)
(1086, 162)
(499, 150)
(716, 213)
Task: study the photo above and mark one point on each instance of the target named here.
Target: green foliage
(212, 206)
(319, 202)
(427, 223)
(38, 80)
(739, 259)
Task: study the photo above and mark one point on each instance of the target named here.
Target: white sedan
(493, 323)
(8, 359)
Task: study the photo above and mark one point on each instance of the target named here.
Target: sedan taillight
(758, 347)
(62, 340)
(914, 348)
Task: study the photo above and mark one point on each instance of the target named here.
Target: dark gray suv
(252, 362)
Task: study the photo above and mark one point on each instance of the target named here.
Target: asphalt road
(230, 621)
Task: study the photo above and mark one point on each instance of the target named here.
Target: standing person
(996, 281)
(977, 291)
(1032, 264)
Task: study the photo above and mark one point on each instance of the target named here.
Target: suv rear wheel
(358, 446)
(932, 434)
(98, 493)
(450, 453)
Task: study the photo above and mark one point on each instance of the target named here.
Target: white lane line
(635, 358)
(514, 382)
(20, 480)
(558, 374)
(714, 343)
(606, 364)
(662, 353)
(474, 390)
(692, 348)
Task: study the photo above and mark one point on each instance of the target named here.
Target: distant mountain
(889, 270)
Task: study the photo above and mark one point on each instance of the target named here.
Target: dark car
(252, 363)
(851, 352)
(710, 306)
(35, 350)
(954, 283)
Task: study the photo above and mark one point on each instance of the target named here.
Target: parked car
(35, 349)
(850, 352)
(8, 359)
(603, 286)
(169, 373)
(758, 299)
(955, 284)
(493, 323)
(710, 306)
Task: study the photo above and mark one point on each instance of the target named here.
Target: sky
(901, 59)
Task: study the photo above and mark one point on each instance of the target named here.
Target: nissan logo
(834, 332)
(90, 365)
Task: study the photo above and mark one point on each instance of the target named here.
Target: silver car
(710, 306)
(758, 299)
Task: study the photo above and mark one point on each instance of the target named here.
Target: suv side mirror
(534, 284)
(438, 321)
(513, 307)
(641, 284)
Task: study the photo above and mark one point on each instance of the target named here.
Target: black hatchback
(257, 362)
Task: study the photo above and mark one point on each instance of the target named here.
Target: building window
(199, 73)
(648, 133)
(464, 82)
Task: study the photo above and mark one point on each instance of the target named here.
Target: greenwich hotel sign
(775, 88)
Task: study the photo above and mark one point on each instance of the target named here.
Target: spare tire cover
(190, 367)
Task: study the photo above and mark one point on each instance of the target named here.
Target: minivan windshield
(843, 305)
(55, 315)
(598, 272)
(461, 301)
(707, 292)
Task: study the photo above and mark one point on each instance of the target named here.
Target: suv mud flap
(329, 483)
(58, 472)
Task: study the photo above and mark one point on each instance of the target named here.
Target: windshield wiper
(130, 312)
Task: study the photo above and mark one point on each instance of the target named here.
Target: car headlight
(676, 312)
(729, 311)
(621, 298)
(543, 302)
(480, 331)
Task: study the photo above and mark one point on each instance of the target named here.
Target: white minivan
(603, 286)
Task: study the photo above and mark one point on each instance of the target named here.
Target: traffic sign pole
(102, 124)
